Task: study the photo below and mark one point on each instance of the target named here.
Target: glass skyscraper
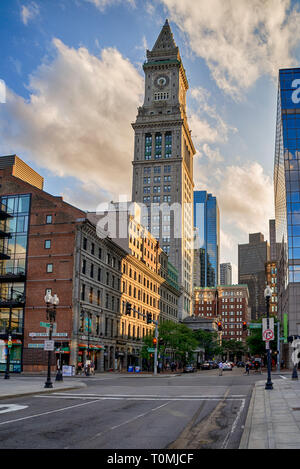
(287, 195)
(207, 244)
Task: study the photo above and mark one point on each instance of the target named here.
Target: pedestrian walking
(247, 368)
(220, 369)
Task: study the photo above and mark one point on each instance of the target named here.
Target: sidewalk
(32, 383)
(17, 386)
(273, 420)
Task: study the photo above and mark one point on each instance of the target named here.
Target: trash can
(130, 369)
(137, 369)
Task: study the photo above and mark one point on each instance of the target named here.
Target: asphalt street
(191, 411)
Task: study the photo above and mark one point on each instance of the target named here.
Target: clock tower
(163, 160)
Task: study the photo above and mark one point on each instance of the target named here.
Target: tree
(174, 338)
(208, 341)
(233, 347)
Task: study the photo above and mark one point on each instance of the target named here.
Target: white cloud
(29, 12)
(240, 40)
(103, 4)
(246, 198)
(77, 120)
(206, 123)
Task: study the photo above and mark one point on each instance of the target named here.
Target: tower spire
(165, 46)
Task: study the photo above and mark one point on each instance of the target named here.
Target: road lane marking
(11, 408)
(233, 427)
(283, 377)
(47, 413)
(128, 421)
(135, 398)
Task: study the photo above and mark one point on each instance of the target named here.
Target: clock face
(161, 81)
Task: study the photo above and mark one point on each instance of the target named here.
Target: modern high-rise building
(226, 274)
(163, 160)
(287, 199)
(207, 243)
(252, 258)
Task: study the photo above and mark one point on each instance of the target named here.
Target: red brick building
(228, 304)
(41, 246)
(47, 245)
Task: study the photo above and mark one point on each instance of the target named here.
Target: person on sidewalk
(247, 368)
(220, 369)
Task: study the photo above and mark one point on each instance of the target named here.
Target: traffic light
(128, 308)
(149, 318)
(245, 326)
(219, 326)
(154, 341)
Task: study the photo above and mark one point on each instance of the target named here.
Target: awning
(14, 341)
(91, 346)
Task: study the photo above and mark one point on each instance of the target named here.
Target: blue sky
(74, 79)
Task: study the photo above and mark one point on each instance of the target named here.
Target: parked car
(240, 364)
(189, 368)
(213, 364)
(205, 366)
(227, 366)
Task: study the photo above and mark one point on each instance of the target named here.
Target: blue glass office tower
(207, 226)
(287, 197)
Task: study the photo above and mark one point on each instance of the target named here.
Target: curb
(248, 424)
(42, 391)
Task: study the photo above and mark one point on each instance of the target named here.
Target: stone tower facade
(163, 160)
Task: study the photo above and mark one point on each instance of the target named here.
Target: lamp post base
(59, 376)
(48, 385)
(295, 374)
(269, 385)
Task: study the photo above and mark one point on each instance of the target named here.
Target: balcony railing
(12, 273)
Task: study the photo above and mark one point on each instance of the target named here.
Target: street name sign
(151, 350)
(44, 324)
(255, 325)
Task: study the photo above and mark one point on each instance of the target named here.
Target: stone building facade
(56, 248)
(163, 161)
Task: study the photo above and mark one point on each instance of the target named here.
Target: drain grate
(295, 408)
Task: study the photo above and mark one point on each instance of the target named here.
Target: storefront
(90, 353)
(15, 356)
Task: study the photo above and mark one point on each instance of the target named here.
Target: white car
(227, 366)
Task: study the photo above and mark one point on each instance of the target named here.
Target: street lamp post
(267, 295)
(51, 303)
(89, 316)
(6, 376)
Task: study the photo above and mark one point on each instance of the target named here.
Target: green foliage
(173, 337)
(233, 346)
(208, 341)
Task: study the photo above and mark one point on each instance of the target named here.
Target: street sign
(268, 335)
(151, 350)
(49, 345)
(44, 324)
(255, 325)
(268, 329)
